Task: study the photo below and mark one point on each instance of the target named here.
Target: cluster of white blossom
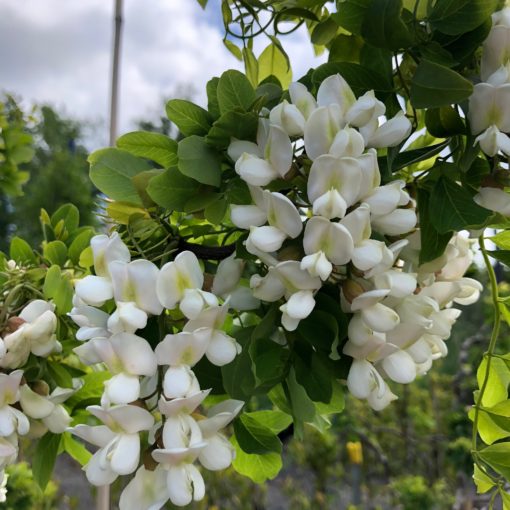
(136, 394)
(28, 408)
(489, 106)
(400, 316)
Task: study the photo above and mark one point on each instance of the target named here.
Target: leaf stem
(490, 350)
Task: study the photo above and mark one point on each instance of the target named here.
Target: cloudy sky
(58, 52)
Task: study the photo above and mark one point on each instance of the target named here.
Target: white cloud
(59, 52)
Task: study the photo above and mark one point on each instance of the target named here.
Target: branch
(207, 252)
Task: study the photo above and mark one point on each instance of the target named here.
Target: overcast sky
(58, 52)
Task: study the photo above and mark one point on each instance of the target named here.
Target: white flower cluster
(140, 289)
(489, 105)
(401, 312)
(401, 318)
(345, 198)
(28, 409)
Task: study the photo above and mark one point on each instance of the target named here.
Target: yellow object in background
(355, 452)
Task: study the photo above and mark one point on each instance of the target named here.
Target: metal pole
(115, 72)
(103, 492)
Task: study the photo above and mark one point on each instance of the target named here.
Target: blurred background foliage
(44, 164)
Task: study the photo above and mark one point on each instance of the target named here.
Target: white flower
(36, 334)
(226, 284)
(135, 282)
(367, 253)
(298, 306)
(365, 109)
(331, 239)
(492, 141)
(494, 199)
(127, 356)
(333, 185)
(321, 128)
(222, 348)
(147, 490)
(177, 276)
(375, 314)
(275, 163)
(347, 142)
(106, 249)
(118, 440)
(288, 117)
(335, 90)
(489, 105)
(184, 481)
(304, 101)
(495, 47)
(389, 134)
(281, 214)
(218, 452)
(47, 408)
(11, 420)
(92, 322)
(3, 486)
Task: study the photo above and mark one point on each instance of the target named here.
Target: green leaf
(52, 282)
(63, 297)
(199, 161)
(154, 146)
(233, 48)
(413, 156)
(433, 243)
(272, 62)
(496, 390)
(498, 457)
(345, 48)
(171, 189)
(215, 212)
(482, 481)
(20, 251)
(238, 192)
(350, 14)
(251, 66)
(75, 449)
(254, 437)
(452, 208)
(505, 498)
(238, 378)
(502, 255)
(44, 458)
(502, 240)
(80, 242)
(488, 428)
(233, 124)
(320, 329)
(56, 252)
(361, 79)
(302, 407)
(234, 91)
(274, 420)
(111, 171)
(434, 85)
(337, 402)
(190, 118)
(212, 97)
(91, 391)
(269, 361)
(69, 214)
(383, 26)
(258, 468)
(443, 122)
(312, 373)
(454, 17)
(59, 374)
(324, 32)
